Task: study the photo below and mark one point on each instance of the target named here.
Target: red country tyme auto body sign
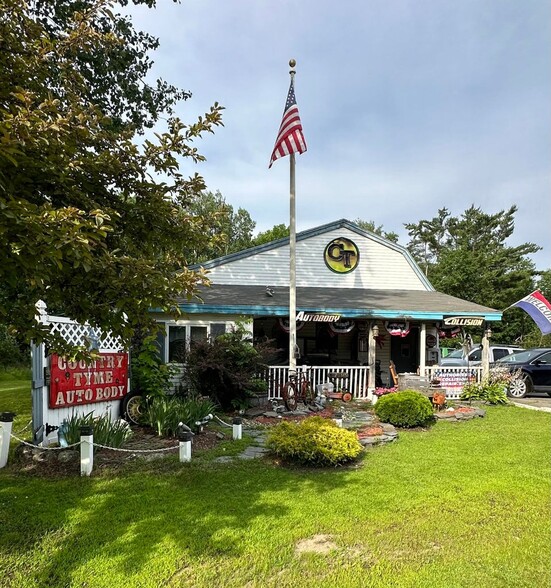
(78, 382)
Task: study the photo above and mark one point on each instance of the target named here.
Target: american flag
(290, 138)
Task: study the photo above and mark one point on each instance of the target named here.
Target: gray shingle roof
(347, 302)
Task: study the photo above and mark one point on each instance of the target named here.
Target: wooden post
(371, 357)
(486, 352)
(422, 349)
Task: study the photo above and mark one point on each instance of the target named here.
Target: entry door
(404, 351)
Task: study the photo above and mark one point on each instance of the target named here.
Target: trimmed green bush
(405, 409)
(315, 441)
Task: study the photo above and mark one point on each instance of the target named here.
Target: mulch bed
(460, 413)
(62, 463)
(370, 432)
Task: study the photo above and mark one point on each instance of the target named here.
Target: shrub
(15, 373)
(314, 441)
(492, 389)
(405, 409)
(150, 375)
(106, 432)
(12, 354)
(164, 413)
(490, 392)
(226, 369)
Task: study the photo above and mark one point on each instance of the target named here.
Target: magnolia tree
(96, 216)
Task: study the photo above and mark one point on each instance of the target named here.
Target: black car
(535, 369)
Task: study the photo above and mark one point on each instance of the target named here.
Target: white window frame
(188, 326)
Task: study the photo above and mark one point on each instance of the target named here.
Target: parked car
(535, 371)
(457, 358)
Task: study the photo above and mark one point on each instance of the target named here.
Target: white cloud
(407, 106)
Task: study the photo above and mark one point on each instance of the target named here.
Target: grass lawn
(464, 504)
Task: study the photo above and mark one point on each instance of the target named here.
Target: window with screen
(197, 334)
(177, 344)
(217, 329)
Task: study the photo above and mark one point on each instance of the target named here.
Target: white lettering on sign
(79, 382)
(464, 321)
(317, 318)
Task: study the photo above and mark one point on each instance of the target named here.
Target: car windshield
(457, 354)
(520, 356)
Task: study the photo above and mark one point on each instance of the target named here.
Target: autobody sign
(78, 382)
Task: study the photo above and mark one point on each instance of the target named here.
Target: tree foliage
(377, 229)
(469, 257)
(227, 368)
(94, 222)
(229, 231)
(276, 232)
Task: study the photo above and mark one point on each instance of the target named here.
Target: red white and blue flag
(290, 138)
(539, 308)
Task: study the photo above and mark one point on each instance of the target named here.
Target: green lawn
(464, 504)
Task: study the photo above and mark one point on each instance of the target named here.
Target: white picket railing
(452, 379)
(353, 379)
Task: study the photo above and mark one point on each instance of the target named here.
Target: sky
(407, 106)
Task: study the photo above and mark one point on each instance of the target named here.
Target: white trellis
(46, 420)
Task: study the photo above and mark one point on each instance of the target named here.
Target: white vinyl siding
(380, 266)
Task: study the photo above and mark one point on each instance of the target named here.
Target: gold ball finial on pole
(292, 71)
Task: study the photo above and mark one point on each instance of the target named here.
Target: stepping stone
(253, 453)
(224, 459)
(254, 412)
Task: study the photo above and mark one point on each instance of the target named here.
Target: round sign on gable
(341, 255)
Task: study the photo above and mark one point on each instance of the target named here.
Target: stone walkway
(353, 420)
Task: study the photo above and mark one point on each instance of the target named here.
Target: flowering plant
(493, 388)
(383, 391)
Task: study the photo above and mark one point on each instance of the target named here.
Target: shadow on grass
(196, 512)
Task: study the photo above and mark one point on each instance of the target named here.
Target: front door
(404, 351)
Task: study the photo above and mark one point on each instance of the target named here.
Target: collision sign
(464, 321)
(79, 382)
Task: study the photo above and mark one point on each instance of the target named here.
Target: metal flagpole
(292, 257)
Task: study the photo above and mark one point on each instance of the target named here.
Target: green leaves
(315, 441)
(469, 257)
(94, 220)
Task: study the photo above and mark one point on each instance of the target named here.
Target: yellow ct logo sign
(341, 255)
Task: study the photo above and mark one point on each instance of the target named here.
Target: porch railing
(454, 378)
(353, 379)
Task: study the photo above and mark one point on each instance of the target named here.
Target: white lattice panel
(78, 334)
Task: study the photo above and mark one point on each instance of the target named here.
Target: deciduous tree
(229, 230)
(276, 232)
(93, 221)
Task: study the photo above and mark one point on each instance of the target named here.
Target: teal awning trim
(344, 312)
